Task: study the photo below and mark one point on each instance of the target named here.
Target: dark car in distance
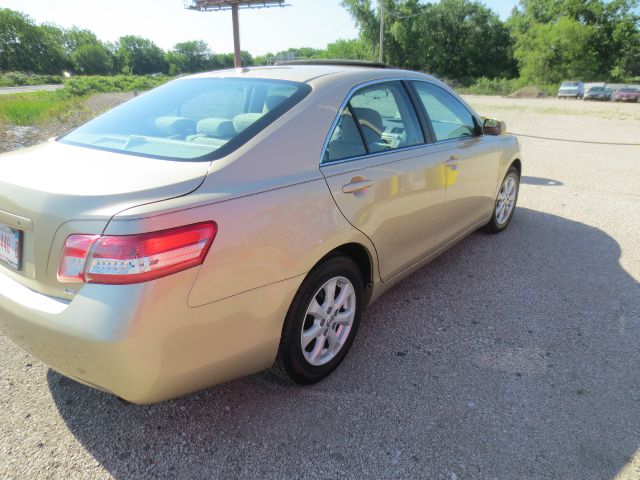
(598, 93)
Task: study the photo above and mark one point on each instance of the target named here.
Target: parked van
(571, 89)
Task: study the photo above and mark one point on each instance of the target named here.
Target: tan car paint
(401, 211)
(277, 218)
(472, 196)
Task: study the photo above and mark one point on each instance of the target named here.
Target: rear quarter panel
(262, 238)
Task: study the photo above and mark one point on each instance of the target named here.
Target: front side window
(377, 118)
(450, 118)
(190, 119)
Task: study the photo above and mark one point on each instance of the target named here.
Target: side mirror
(491, 126)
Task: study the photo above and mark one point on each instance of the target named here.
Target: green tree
(556, 51)
(456, 39)
(355, 49)
(190, 57)
(27, 47)
(609, 31)
(88, 55)
(52, 57)
(92, 59)
(75, 37)
(140, 56)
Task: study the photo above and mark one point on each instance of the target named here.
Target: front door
(471, 160)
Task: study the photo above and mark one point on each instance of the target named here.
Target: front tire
(322, 321)
(506, 201)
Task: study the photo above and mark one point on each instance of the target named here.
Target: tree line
(543, 41)
(49, 49)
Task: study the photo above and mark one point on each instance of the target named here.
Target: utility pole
(236, 36)
(381, 7)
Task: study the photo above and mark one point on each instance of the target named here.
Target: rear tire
(506, 201)
(322, 321)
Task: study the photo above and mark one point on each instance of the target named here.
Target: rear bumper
(569, 94)
(143, 342)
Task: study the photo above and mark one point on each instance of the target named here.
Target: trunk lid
(52, 190)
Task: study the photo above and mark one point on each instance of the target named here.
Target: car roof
(310, 73)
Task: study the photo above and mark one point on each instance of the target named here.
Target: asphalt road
(509, 357)
(29, 88)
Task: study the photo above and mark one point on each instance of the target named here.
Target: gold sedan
(233, 221)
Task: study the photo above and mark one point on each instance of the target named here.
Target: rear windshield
(569, 84)
(596, 89)
(190, 119)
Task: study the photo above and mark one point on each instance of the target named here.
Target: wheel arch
(363, 259)
(518, 166)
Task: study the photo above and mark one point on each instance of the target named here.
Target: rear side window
(190, 119)
(346, 141)
(450, 118)
(377, 118)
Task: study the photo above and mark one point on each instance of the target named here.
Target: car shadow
(546, 182)
(510, 356)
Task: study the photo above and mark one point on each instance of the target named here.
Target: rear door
(471, 159)
(386, 175)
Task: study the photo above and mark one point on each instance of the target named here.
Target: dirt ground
(511, 356)
(575, 119)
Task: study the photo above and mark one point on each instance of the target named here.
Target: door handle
(358, 184)
(452, 162)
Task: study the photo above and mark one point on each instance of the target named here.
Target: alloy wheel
(328, 321)
(506, 199)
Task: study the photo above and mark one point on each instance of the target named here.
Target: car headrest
(273, 101)
(349, 130)
(216, 127)
(175, 125)
(242, 121)
(370, 119)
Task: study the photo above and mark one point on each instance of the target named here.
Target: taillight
(139, 258)
(74, 256)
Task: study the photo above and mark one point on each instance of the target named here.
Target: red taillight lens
(136, 258)
(74, 255)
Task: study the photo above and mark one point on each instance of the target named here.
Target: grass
(503, 86)
(34, 108)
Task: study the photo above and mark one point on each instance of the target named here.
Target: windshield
(190, 119)
(596, 89)
(569, 84)
(628, 90)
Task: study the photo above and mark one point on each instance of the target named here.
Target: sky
(306, 23)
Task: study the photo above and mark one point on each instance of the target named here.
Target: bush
(504, 87)
(83, 85)
(18, 79)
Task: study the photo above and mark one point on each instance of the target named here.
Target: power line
(402, 17)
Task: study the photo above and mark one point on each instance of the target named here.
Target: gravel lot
(509, 357)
